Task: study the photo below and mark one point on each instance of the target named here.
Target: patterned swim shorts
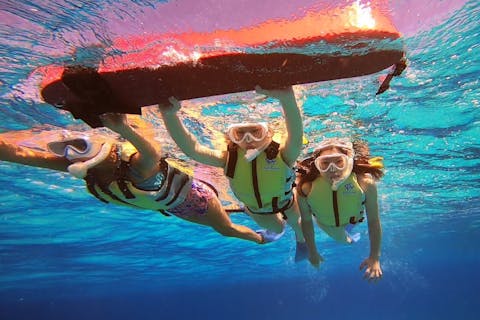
(196, 202)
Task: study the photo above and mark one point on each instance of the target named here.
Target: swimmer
(116, 173)
(135, 174)
(334, 187)
(260, 170)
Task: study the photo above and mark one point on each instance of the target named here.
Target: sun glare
(360, 16)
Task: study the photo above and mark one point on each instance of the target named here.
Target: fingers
(105, 116)
(172, 106)
(173, 101)
(112, 118)
(260, 90)
(363, 265)
(315, 263)
(372, 275)
(112, 115)
(273, 92)
(373, 271)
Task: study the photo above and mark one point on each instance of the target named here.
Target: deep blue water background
(64, 255)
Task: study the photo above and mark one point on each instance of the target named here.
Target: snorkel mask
(75, 149)
(332, 162)
(241, 132)
(335, 162)
(248, 132)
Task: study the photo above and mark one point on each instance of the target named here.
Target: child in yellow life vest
(135, 174)
(138, 177)
(334, 187)
(260, 170)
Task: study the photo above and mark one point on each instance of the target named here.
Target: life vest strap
(353, 220)
(164, 213)
(179, 190)
(169, 181)
(276, 209)
(271, 152)
(335, 208)
(90, 182)
(211, 186)
(120, 178)
(275, 204)
(109, 193)
(232, 150)
(256, 189)
(121, 181)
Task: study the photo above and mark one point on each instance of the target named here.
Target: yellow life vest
(172, 192)
(337, 208)
(265, 184)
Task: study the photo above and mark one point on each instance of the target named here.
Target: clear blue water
(64, 255)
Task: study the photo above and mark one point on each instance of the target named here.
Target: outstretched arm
(146, 159)
(30, 157)
(293, 119)
(187, 141)
(373, 270)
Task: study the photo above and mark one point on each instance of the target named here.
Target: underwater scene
(66, 255)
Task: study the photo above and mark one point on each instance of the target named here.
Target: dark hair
(307, 171)
(362, 164)
(108, 169)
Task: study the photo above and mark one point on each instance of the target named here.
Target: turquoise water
(64, 255)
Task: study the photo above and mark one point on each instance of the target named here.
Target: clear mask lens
(252, 131)
(331, 162)
(70, 147)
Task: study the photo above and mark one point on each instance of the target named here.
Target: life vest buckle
(353, 220)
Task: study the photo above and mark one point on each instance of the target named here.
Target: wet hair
(308, 172)
(361, 162)
(108, 169)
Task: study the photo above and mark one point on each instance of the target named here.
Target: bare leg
(271, 222)
(218, 219)
(293, 220)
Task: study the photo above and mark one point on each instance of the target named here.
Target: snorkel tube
(345, 174)
(79, 169)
